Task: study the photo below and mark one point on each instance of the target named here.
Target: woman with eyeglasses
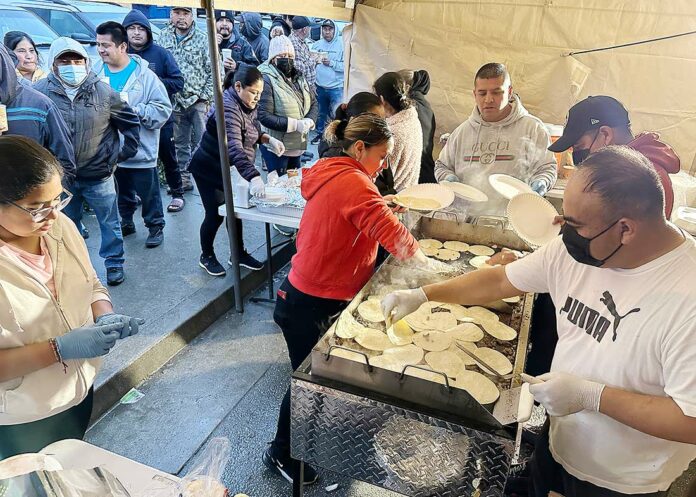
(56, 318)
(27, 55)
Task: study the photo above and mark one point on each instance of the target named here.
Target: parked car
(100, 12)
(15, 18)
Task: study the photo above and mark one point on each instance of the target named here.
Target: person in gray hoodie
(144, 92)
(95, 115)
(500, 136)
(329, 75)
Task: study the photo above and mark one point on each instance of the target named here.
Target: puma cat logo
(608, 301)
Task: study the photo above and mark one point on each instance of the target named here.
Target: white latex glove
(276, 146)
(444, 137)
(563, 393)
(257, 188)
(402, 303)
(292, 124)
(304, 125)
(453, 178)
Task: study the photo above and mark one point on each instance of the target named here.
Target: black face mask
(579, 247)
(580, 155)
(285, 65)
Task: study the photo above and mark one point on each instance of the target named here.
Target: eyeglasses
(40, 214)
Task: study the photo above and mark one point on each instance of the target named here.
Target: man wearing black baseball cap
(305, 63)
(599, 121)
(229, 39)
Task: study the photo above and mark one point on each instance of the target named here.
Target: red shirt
(343, 223)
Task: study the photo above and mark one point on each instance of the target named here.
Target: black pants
(32, 437)
(547, 475)
(145, 183)
(167, 154)
(212, 198)
(303, 320)
(543, 335)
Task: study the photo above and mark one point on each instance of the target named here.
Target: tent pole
(224, 158)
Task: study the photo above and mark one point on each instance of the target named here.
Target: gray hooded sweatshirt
(517, 145)
(148, 97)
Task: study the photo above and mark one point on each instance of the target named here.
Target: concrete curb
(181, 325)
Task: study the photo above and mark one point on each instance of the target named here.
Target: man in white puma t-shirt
(621, 393)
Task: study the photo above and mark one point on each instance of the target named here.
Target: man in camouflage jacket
(189, 46)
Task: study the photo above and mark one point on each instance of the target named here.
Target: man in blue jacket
(96, 116)
(162, 63)
(31, 114)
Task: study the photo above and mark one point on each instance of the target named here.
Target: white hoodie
(517, 145)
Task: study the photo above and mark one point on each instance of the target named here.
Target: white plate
(23, 464)
(468, 192)
(531, 216)
(508, 186)
(686, 219)
(432, 191)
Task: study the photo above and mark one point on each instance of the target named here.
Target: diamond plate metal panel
(395, 448)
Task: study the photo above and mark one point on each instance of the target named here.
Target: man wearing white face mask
(95, 115)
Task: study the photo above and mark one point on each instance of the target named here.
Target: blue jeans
(279, 164)
(101, 196)
(145, 183)
(328, 100)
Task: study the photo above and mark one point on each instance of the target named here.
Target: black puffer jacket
(243, 133)
(426, 116)
(95, 118)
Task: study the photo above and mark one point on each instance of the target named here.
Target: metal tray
(416, 390)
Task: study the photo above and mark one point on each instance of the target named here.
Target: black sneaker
(114, 276)
(288, 468)
(85, 233)
(247, 261)
(155, 238)
(211, 265)
(127, 228)
(283, 230)
(316, 139)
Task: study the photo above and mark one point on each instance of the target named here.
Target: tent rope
(642, 42)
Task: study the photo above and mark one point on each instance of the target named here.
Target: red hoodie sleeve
(365, 209)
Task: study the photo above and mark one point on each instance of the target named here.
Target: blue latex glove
(89, 341)
(131, 326)
(453, 178)
(540, 187)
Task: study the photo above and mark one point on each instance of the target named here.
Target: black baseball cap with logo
(590, 114)
(228, 14)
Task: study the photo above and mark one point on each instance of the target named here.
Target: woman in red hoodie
(344, 222)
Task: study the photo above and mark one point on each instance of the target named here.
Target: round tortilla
(400, 333)
(459, 311)
(436, 321)
(481, 314)
(347, 354)
(447, 255)
(456, 245)
(426, 375)
(479, 387)
(479, 261)
(467, 360)
(430, 252)
(430, 243)
(432, 341)
(347, 327)
(371, 310)
(495, 359)
(408, 354)
(466, 332)
(481, 250)
(446, 362)
(513, 300)
(373, 340)
(499, 330)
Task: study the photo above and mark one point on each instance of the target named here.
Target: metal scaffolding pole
(224, 158)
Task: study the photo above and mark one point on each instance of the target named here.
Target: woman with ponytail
(361, 103)
(344, 222)
(402, 117)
